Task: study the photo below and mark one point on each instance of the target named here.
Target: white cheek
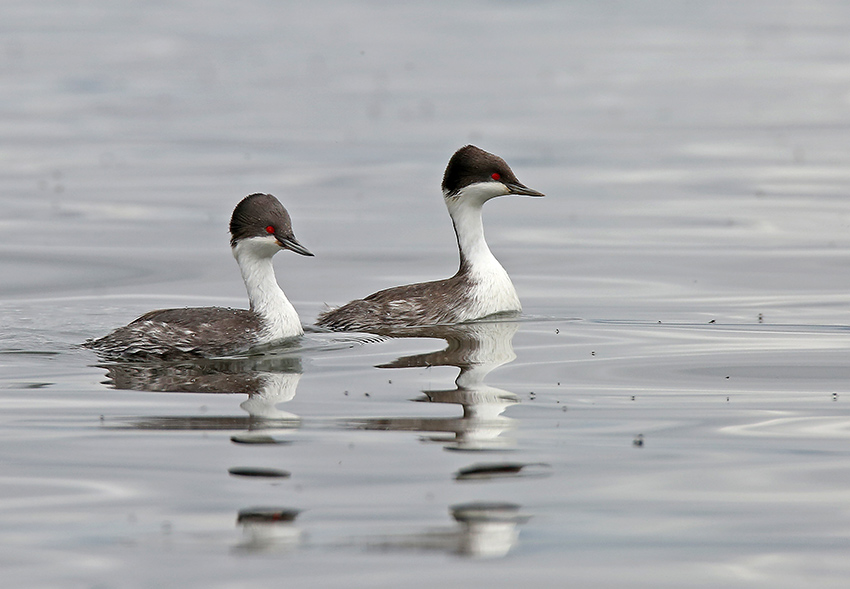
(481, 192)
(261, 246)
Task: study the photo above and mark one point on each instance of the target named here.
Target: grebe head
(478, 175)
(261, 224)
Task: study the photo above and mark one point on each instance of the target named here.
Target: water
(670, 411)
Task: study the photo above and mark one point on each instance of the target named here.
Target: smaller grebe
(259, 228)
(481, 286)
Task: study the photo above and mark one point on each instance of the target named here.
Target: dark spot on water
(486, 511)
(29, 385)
(482, 471)
(269, 515)
(501, 469)
(254, 438)
(712, 321)
(254, 471)
(638, 441)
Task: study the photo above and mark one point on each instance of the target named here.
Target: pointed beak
(522, 189)
(290, 243)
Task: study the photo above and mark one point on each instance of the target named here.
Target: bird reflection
(476, 349)
(268, 530)
(483, 530)
(268, 380)
(480, 530)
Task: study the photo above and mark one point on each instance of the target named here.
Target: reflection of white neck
(278, 387)
(493, 291)
(280, 320)
(492, 349)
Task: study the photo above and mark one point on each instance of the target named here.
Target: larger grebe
(481, 287)
(259, 228)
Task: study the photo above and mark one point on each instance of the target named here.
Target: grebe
(481, 286)
(259, 228)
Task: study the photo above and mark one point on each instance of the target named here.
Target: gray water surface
(669, 411)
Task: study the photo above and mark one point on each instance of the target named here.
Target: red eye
(495, 176)
(269, 229)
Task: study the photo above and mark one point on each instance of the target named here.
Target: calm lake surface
(671, 410)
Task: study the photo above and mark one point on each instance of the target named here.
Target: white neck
(280, 320)
(493, 291)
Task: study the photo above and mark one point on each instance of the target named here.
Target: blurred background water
(669, 412)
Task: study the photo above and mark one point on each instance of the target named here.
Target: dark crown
(471, 164)
(254, 214)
